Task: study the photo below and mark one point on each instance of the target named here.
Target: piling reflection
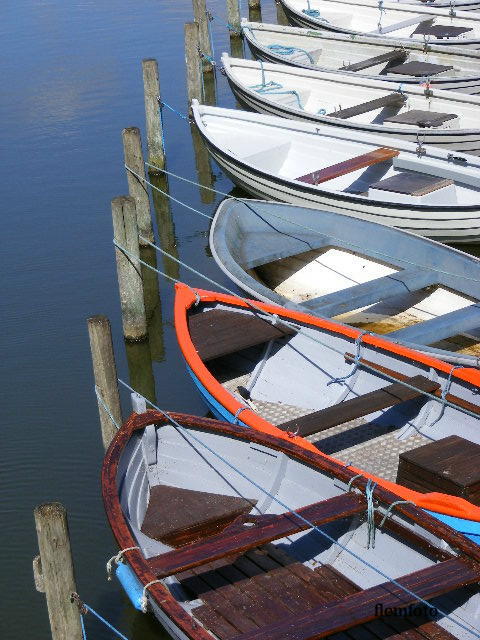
(209, 88)
(165, 225)
(204, 170)
(139, 359)
(255, 14)
(281, 16)
(236, 47)
(153, 305)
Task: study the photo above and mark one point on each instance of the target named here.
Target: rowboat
(332, 388)
(227, 533)
(445, 118)
(462, 5)
(361, 273)
(386, 20)
(409, 62)
(429, 191)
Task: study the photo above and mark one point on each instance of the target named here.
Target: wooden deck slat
(390, 100)
(237, 539)
(396, 54)
(349, 166)
(366, 404)
(213, 620)
(220, 332)
(474, 408)
(359, 608)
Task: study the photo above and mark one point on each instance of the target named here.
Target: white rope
(144, 599)
(107, 410)
(117, 559)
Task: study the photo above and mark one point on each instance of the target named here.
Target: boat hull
(457, 140)
(450, 225)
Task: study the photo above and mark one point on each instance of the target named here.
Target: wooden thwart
(366, 404)
(219, 332)
(360, 607)
(396, 54)
(348, 166)
(240, 538)
(391, 100)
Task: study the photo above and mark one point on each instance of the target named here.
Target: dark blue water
(71, 80)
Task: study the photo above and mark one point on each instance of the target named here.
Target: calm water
(71, 76)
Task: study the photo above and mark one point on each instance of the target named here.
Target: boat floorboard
(244, 593)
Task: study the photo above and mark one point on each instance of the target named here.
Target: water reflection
(139, 359)
(236, 46)
(255, 14)
(165, 225)
(209, 88)
(153, 305)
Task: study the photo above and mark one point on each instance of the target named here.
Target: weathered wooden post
(129, 272)
(254, 12)
(105, 375)
(54, 573)
(151, 86)
(254, 4)
(202, 19)
(192, 60)
(132, 146)
(233, 14)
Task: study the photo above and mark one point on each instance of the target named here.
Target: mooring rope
(188, 434)
(84, 608)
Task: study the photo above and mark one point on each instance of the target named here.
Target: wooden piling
(132, 147)
(129, 272)
(57, 573)
(105, 375)
(151, 87)
(202, 19)
(254, 4)
(192, 60)
(233, 15)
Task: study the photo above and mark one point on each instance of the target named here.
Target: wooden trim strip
(362, 607)
(239, 538)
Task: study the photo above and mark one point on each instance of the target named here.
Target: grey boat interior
(384, 280)
(290, 577)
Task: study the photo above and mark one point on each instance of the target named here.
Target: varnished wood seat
(418, 68)
(391, 100)
(390, 56)
(422, 118)
(178, 516)
(363, 405)
(376, 156)
(412, 183)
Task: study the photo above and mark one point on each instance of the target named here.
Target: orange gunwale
(185, 297)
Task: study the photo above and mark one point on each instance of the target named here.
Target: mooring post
(151, 86)
(129, 271)
(202, 18)
(132, 147)
(233, 15)
(54, 573)
(105, 375)
(192, 60)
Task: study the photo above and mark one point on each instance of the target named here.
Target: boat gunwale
(185, 298)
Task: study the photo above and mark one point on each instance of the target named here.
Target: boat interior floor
(246, 591)
(374, 448)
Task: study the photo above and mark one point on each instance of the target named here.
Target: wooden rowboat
(429, 191)
(386, 20)
(358, 272)
(390, 60)
(288, 557)
(444, 118)
(342, 389)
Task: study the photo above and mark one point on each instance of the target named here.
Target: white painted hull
(301, 88)
(364, 17)
(329, 51)
(455, 224)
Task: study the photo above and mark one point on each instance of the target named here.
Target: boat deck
(376, 451)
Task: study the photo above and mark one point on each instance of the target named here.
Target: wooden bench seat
(178, 516)
(412, 183)
(418, 69)
(441, 31)
(221, 332)
(403, 24)
(422, 118)
(376, 156)
(366, 404)
(390, 56)
(391, 100)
